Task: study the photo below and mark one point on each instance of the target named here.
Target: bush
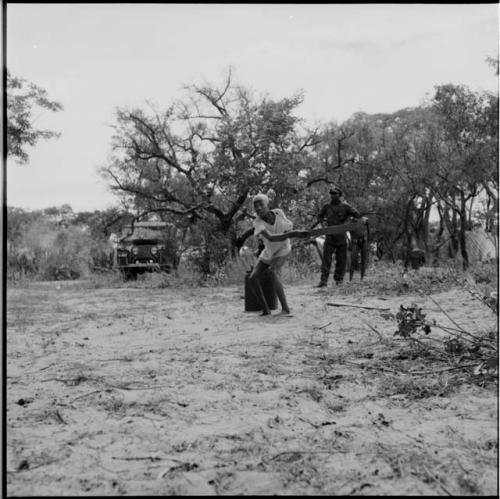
(48, 251)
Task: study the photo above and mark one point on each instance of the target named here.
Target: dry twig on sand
(373, 368)
(375, 330)
(300, 452)
(356, 306)
(436, 479)
(454, 368)
(316, 425)
(85, 395)
(322, 327)
(147, 458)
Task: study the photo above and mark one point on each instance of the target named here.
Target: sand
(126, 391)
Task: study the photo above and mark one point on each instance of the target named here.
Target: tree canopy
(23, 98)
(197, 162)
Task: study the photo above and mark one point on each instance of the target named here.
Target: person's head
(335, 194)
(261, 205)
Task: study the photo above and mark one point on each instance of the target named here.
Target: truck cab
(145, 247)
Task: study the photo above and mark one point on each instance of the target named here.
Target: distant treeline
(423, 177)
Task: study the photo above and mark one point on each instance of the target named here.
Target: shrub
(49, 251)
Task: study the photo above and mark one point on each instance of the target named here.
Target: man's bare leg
(278, 286)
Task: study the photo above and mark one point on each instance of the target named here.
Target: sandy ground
(164, 391)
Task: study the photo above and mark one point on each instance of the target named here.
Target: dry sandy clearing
(165, 391)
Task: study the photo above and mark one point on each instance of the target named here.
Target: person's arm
(352, 212)
(320, 217)
(356, 215)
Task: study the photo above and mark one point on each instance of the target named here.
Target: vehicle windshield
(144, 242)
(143, 233)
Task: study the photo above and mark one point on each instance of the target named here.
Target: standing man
(334, 213)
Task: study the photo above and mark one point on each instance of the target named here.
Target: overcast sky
(347, 58)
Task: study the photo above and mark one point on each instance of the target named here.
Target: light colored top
(277, 248)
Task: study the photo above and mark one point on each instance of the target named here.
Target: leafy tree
(23, 98)
(62, 215)
(201, 158)
(197, 163)
(101, 224)
(468, 159)
(17, 221)
(441, 154)
(378, 161)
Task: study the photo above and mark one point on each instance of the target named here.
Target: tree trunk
(407, 233)
(488, 219)
(425, 229)
(453, 235)
(240, 241)
(462, 233)
(205, 260)
(439, 235)
(415, 232)
(490, 216)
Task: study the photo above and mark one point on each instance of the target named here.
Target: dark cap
(336, 190)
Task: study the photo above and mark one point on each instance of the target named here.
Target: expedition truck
(146, 247)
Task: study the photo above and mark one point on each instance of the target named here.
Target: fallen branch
(461, 332)
(147, 458)
(124, 359)
(183, 466)
(85, 395)
(379, 334)
(71, 381)
(447, 315)
(46, 367)
(363, 366)
(356, 306)
(463, 366)
(336, 451)
(322, 327)
(127, 387)
(316, 425)
(59, 417)
(437, 479)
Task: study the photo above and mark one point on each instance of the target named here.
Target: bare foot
(284, 313)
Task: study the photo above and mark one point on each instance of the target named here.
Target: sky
(347, 58)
